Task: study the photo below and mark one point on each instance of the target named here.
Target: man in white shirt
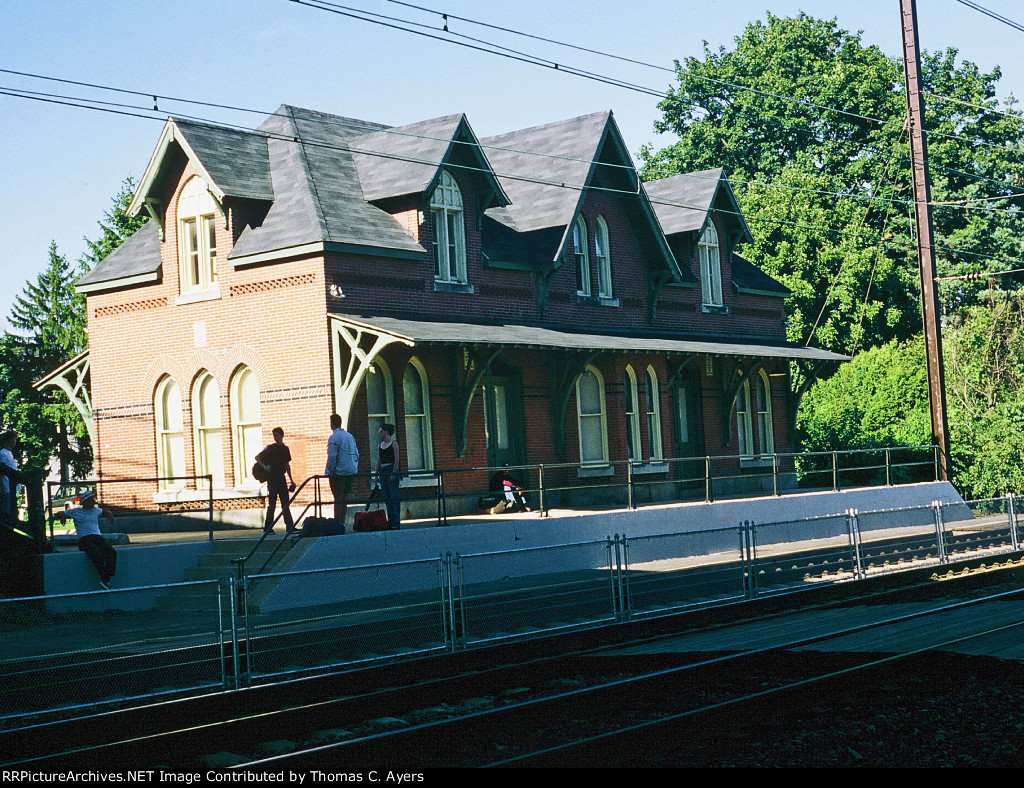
(342, 465)
(7, 487)
(90, 540)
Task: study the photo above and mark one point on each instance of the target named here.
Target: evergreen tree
(118, 227)
(50, 318)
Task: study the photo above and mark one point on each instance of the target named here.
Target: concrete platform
(152, 559)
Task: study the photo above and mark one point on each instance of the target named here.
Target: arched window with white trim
(197, 236)
(416, 400)
(630, 391)
(206, 427)
(581, 256)
(380, 404)
(744, 422)
(602, 248)
(653, 402)
(591, 416)
(710, 256)
(763, 400)
(449, 231)
(246, 425)
(170, 437)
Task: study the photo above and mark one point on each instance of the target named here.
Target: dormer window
(449, 231)
(710, 267)
(581, 256)
(197, 237)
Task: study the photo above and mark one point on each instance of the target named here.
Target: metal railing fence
(64, 652)
(60, 493)
(632, 484)
(126, 646)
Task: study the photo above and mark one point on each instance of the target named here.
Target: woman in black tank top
(388, 474)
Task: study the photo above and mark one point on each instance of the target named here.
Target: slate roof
(747, 277)
(319, 175)
(318, 196)
(237, 161)
(138, 256)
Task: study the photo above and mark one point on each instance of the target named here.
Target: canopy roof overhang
(426, 332)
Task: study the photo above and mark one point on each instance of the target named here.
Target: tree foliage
(809, 123)
(881, 398)
(49, 322)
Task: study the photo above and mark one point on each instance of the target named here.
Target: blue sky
(60, 166)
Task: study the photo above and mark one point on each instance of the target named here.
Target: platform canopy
(425, 332)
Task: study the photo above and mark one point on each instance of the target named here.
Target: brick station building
(519, 299)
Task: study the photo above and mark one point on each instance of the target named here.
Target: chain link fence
(108, 649)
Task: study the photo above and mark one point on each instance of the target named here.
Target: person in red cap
(90, 540)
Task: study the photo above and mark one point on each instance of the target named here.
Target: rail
(68, 491)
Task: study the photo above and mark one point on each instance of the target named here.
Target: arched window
(416, 398)
(380, 404)
(246, 427)
(206, 423)
(710, 267)
(449, 231)
(765, 432)
(197, 237)
(653, 414)
(590, 411)
(604, 259)
(632, 416)
(744, 423)
(581, 256)
(170, 438)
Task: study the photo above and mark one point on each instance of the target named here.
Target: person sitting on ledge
(90, 540)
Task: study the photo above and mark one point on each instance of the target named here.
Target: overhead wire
(387, 21)
(145, 113)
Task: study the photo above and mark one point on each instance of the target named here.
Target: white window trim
(428, 444)
(765, 428)
(602, 247)
(744, 426)
(242, 464)
(375, 419)
(602, 416)
(652, 403)
(633, 416)
(581, 256)
(196, 205)
(710, 254)
(164, 434)
(445, 202)
(201, 431)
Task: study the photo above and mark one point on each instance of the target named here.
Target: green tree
(826, 192)
(881, 398)
(50, 318)
(116, 229)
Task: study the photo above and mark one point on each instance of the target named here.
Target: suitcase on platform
(371, 520)
(321, 526)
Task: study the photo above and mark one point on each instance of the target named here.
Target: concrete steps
(218, 563)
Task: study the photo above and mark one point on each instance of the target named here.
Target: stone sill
(591, 471)
(219, 494)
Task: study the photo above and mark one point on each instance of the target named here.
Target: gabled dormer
(701, 219)
(437, 169)
(228, 163)
(557, 167)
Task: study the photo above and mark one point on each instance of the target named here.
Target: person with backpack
(276, 460)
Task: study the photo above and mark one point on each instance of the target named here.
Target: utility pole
(925, 245)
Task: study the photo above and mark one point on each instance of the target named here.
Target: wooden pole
(925, 244)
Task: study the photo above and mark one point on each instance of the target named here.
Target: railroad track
(367, 717)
